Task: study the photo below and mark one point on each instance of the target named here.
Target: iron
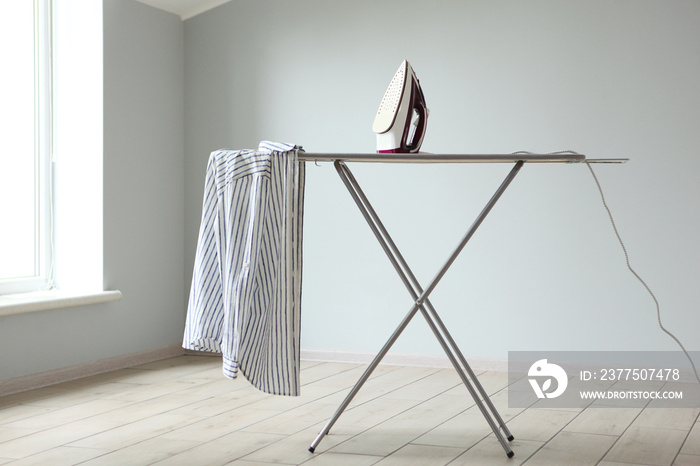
(403, 115)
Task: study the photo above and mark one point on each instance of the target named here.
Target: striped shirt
(245, 299)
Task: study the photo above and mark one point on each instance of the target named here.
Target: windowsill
(44, 300)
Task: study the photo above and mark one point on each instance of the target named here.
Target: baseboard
(403, 359)
(189, 352)
(66, 374)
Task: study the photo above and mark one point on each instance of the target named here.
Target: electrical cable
(627, 259)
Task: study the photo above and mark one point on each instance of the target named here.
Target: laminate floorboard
(181, 411)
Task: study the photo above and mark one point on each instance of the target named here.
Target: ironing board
(419, 294)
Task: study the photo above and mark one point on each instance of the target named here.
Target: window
(25, 147)
(63, 40)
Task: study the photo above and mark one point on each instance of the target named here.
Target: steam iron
(402, 116)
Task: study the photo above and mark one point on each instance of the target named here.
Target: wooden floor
(182, 411)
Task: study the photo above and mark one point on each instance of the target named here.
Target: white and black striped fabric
(245, 299)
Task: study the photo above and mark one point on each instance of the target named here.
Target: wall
(545, 271)
(143, 207)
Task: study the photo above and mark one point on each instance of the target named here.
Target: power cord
(627, 259)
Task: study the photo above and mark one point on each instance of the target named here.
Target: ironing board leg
(421, 302)
(414, 288)
(368, 372)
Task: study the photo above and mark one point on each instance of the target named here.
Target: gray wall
(143, 207)
(608, 79)
(605, 78)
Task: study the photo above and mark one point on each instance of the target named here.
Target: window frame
(43, 278)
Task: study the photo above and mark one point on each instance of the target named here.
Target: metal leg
(423, 304)
(368, 372)
(414, 287)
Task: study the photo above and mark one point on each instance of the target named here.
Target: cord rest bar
(423, 157)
